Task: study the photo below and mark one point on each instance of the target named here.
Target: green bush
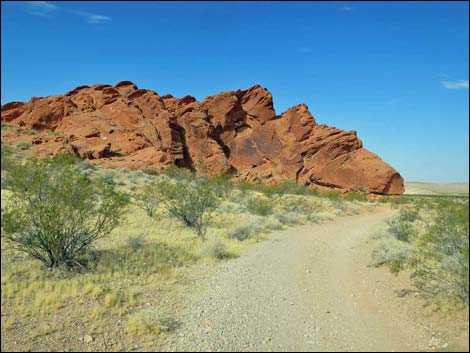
(441, 261)
(190, 202)
(357, 196)
(402, 226)
(392, 252)
(221, 185)
(260, 205)
(136, 242)
(290, 218)
(69, 159)
(54, 213)
(301, 205)
(214, 248)
(401, 230)
(7, 157)
(331, 195)
(23, 146)
(148, 198)
(245, 231)
(6, 126)
(178, 173)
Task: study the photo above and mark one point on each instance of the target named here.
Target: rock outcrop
(231, 132)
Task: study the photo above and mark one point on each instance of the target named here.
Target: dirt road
(304, 289)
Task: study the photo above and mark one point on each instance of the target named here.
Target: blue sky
(395, 72)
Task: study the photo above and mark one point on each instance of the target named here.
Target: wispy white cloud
(455, 84)
(40, 8)
(305, 50)
(45, 9)
(346, 8)
(98, 19)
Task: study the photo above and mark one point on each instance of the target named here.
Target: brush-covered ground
(136, 279)
(137, 276)
(426, 245)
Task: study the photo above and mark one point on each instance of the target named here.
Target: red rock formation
(233, 131)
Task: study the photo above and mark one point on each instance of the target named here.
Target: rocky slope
(234, 131)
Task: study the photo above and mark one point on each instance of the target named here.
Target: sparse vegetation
(214, 248)
(144, 259)
(260, 205)
(151, 321)
(23, 146)
(430, 237)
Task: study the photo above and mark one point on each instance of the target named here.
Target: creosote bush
(214, 248)
(54, 213)
(191, 202)
(260, 205)
(441, 259)
(148, 198)
(432, 240)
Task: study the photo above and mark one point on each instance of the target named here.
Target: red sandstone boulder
(233, 131)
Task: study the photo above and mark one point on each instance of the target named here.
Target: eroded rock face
(230, 132)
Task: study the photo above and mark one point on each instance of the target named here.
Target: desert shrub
(221, 185)
(82, 166)
(288, 187)
(356, 196)
(442, 255)
(244, 186)
(408, 215)
(108, 176)
(7, 157)
(230, 207)
(236, 196)
(259, 205)
(23, 146)
(290, 218)
(331, 195)
(150, 171)
(300, 205)
(394, 199)
(136, 173)
(245, 231)
(148, 198)
(30, 131)
(54, 213)
(272, 223)
(136, 242)
(275, 189)
(7, 126)
(214, 248)
(190, 202)
(402, 226)
(392, 252)
(178, 173)
(401, 230)
(340, 205)
(151, 321)
(70, 159)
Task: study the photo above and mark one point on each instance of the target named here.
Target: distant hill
(424, 188)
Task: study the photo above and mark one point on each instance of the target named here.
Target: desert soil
(308, 288)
